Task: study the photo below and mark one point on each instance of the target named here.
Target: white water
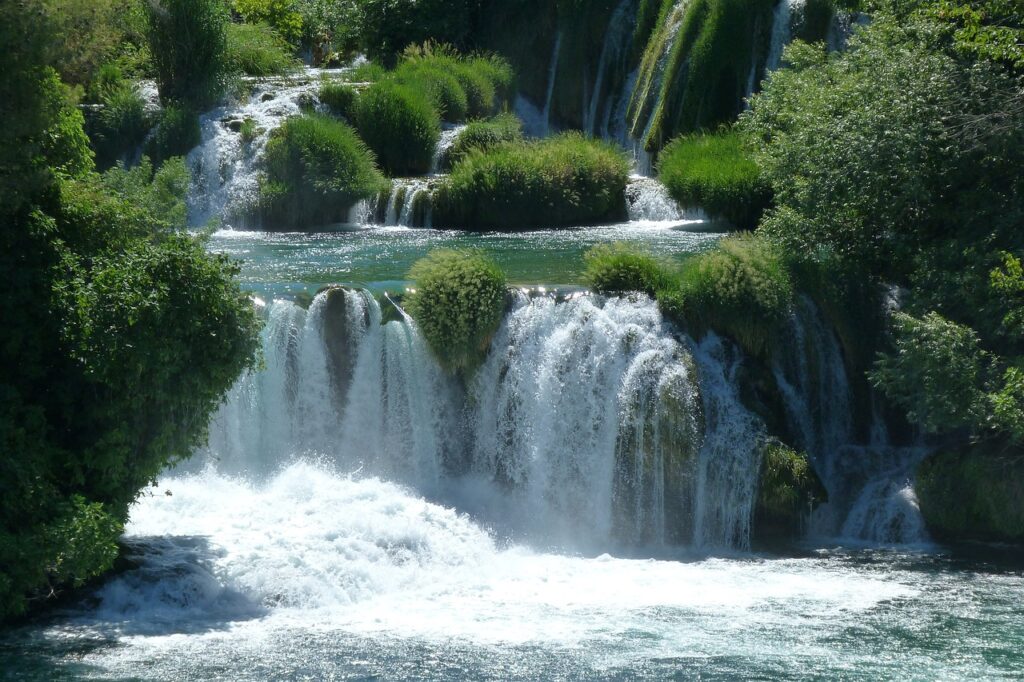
(649, 200)
(552, 78)
(782, 31)
(444, 144)
(616, 42)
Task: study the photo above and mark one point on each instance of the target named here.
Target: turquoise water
(289, 263)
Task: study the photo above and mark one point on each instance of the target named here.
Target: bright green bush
(281, 15)
(458, 302)
(501, 75)
(315, 169)
(176, 134)
(340, 98)
(480, 91)
(188, 42)
(742, 289)
(561, 181)
(716, 173)
(400, 125)
(440, 86)
(485, 135)
(618, 268)
(256, 50)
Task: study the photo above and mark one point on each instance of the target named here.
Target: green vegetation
(316, 168)
(485, 135)
(787, 492)
(974, 494)
(458, 302)
(159, 192)
(617, 268)
(560, 181)
(282, 16)
(400, 125)
(256, 50)
(439, 85)
(121, 125)
(175, 135)
(188, 44)
(387, 27)
(340, 98)
(121, 332)
(715, 172)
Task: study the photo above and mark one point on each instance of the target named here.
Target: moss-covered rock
(973, 495)
(458, 300)
(788, 491)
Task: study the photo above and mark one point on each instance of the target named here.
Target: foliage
(458, 302)
(986, 29)
(388, 26)
(256, 50)
(617, 268)
(400, 125)
(439, 85)
(188, 42)
(788, 490)
(91, 34)
(316, 168)
(175, 135)
(742, 289)
(485, 135)
(280, 15)
(340, 98)
(160, 192)
(121, 125)
(715, 172)
(560, 181)
(65, 145)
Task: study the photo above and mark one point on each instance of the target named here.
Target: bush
(440, 86)
(480, 91)
(561, 181)
(280, 15)
(501, 75)
(340, 98)
(400, 125)
(315, 169)
(161, 192)
(618, 268)
(176, 135)
(742, 289)
(387, 27)
(788, 490)
(256, 50)
(485, 135)
(458, 302)
(188, 41)
(714, 172)
(121, 125)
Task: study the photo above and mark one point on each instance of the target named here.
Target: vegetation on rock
(400, 125)
(788, 490)
(484, 135)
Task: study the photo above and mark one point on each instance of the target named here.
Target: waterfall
(448, 136)
(616, 41)
(552, 77)
(782, 31)
(647, 200)
(406, 204)
(590, 422)
(870, 486)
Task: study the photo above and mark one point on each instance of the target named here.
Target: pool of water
(281, 264)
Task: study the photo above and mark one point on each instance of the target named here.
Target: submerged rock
(345, 319)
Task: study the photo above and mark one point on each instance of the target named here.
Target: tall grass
(485, 135)
(715, 172)
(401, 126)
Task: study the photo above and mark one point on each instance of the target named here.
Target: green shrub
(280, 15)
(485, 135)
(400, 125)
(458, 302)
(315, 169)
(561, 181)
(480, 91)
(121, 125)
(65, 146)
(188, 41)
(440, 86)
(249, 130)
(619, 268)
(788, 490)
(501, 75)
(714, 172)
(160, 192)
(256, 50)
(175, 135)
(367, 72)
(340, 98)
(742, 289)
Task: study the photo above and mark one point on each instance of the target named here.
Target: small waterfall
(444, 144)
(552, 78)
(616, 42)
(590, 422)
(870, 486)
(406, 204)
(647, 200)
(782, 31)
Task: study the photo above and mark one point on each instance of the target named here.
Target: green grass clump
(458, 302)
(340, 98)
(787, 491)
(440, 86)
(618, 268)
(560, 181)
(121, 125)
(484, 135)
(742, 289)
(480, 91)
(501, 75)
(715, 172)
(257, 50)
(315, 169)
(400, 125)
(175, 135)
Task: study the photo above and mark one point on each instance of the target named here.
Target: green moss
(973, 495)
(340, 98)
(560, 181)
(400, 125)
(742, 289)
(618, 268)
(716, 173)
(257, 50)
(485, 135)
(316, 168)
(458, 301)
(249, 130)
(788, 490)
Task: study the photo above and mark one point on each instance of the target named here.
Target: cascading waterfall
(406, 204)
(647, 200)
(585, 426)
(444, 144)
(871, 496)
(552, 78)
(782, 31)
(616, 43)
